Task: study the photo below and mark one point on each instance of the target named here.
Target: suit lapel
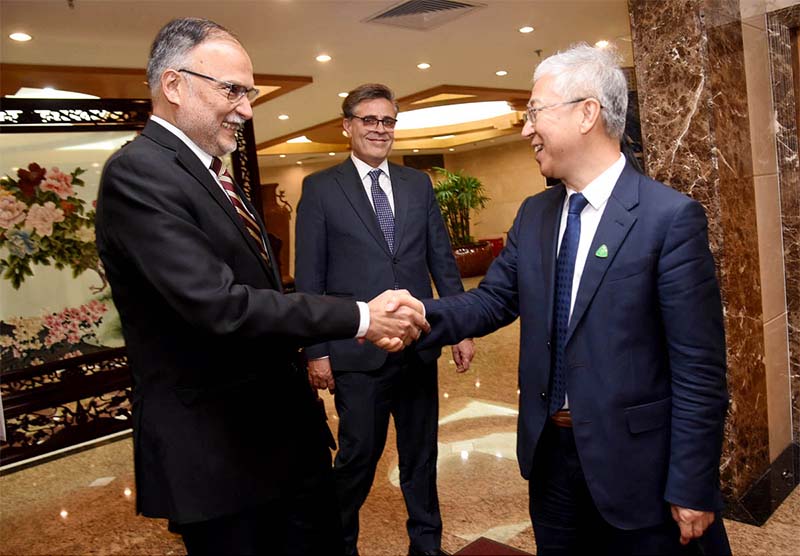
(399, 181)
(353, 189)
(192, 164)
(551, 219)
(614, 226)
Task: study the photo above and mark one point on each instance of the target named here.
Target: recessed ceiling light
(323, 58)
(416, 150)
(343, 94)
(331, 154)
(602, 44)
(451, 149)
(501, 73)
(526, 29)
(299, 162)
(282, 156)
(423, 65)
(283, 117)
(452, 114)
(20, 37)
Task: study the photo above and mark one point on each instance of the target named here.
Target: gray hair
(585, 71)
(174, 42)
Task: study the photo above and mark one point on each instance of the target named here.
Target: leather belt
(562, 418)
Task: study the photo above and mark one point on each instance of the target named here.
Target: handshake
(396, 319)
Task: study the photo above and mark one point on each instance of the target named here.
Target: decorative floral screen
(55, 302)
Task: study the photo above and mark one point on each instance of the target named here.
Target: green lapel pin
(602, 252)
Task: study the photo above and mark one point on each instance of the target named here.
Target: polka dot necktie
(565, 269)
(382, 209)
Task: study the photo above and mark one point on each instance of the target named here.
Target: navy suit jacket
(220, 410)
(341, 250)
(645, 347)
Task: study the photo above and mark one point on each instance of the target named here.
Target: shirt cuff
(363, 323)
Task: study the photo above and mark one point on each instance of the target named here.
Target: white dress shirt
(597, 193)
(385, 181)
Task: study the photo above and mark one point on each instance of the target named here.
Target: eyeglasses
(371, 122)
(531, 112)
(235, 91)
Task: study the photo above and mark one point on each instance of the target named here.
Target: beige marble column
(689, 65)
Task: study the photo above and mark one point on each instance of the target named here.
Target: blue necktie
(564, 270)
(382, 209)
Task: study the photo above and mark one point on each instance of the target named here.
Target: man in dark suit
(229, 441)
(622, 349)
(362, 227)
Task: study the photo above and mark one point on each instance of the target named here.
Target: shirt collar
(363, 168)
(599, 189)
(204, 157)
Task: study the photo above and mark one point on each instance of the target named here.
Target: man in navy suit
(622, 352)
(364, 226)
(229, 443)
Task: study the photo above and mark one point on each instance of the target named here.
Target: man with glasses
(622, 350)
(363, 226)
(229, 442)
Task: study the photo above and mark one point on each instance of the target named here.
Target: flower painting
(44, 222)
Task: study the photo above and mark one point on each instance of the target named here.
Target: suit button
(543, 395)
(548, 345)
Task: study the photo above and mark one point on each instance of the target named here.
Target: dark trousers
(566, 520)
(303, 520)
(407, 389)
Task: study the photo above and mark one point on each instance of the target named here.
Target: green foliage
(457, 194)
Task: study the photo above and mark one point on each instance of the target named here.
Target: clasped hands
(396, 319)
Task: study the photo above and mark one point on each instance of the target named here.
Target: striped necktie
(249, 222)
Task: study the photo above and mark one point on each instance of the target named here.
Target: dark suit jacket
(341, 250)
(645, 347)
(210, 337)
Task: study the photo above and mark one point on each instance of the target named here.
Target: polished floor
(84, 503)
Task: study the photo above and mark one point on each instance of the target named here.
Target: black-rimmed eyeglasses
(371, 122)
(531, 112)
(235, 91)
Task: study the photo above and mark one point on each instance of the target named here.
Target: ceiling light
(323, 58)
(47, 92)
(299, 162)
(452, 114)
(450, 136)
(423, 65)
(283, 117)
(20, 37)
(501, 73)
(526, 29)
(451, 149)
(301, 139)
(331, 154)
(281, 156)
(416, 150)
(343, 94)
(602, 44)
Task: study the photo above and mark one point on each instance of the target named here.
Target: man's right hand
(320, 375)
(395, 320)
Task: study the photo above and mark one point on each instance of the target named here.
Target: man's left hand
(463, 352)
(693, 523)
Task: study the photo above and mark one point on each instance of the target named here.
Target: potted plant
(457, 194)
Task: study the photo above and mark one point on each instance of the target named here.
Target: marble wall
(779, 26)
(689, 65)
